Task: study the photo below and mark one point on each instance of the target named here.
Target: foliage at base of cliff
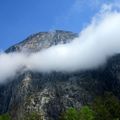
(33, 116)
(106, 107)
(5, 117)
(85, 113)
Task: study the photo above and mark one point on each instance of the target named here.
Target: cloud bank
(98, 41)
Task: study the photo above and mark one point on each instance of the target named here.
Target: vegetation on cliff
(106, 107)
(5, 117)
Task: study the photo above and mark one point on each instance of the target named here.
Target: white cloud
(91, 49)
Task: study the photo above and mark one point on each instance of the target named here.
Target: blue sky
(20, 18)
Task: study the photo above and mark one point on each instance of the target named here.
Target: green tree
(86, 113)
(106, 107)
(5, 117)
(70, 114)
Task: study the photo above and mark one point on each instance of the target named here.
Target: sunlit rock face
(43, 40)
(51, 93)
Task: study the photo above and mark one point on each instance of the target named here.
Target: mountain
(43, 40)
(52, 93)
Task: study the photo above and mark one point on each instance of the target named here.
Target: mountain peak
(43, 40)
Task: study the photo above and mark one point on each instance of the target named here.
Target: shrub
(70, 114)
(5, 117)
(33, 116)
(86, 113)
(106, 107)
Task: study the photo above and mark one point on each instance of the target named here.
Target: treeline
(106, 107)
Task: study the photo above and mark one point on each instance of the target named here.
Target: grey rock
(43, 40)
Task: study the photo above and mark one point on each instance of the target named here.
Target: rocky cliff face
(51, 93)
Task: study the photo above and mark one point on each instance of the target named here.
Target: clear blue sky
(20, 18)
